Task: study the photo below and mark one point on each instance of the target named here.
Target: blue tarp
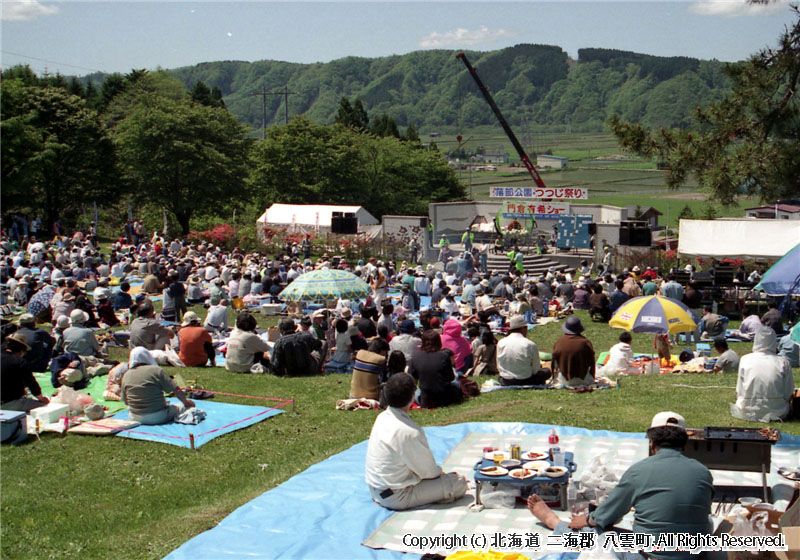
(222, 417)
(326, 511)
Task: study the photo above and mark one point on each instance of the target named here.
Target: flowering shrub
(221, 234)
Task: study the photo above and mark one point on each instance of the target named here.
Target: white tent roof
(738, 237)
(307, 214)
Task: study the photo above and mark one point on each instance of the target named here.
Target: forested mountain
(536, 84)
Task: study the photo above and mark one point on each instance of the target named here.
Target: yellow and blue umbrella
(325, 284)
(654, 314)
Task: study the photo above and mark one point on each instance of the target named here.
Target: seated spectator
(105, 311)
(69, 370)
(143, 388)
(407, 341)
(217, 317)
(401, 472)
(773, 317)
(485, 356)
(78, 337)
(41, 344)
(599, 304)
(452, 339)
(196, 348)
(620, 357)
(369, 368)
(581, 297)
(765, 385)
(194, 294)
(712, 324)
(617, 297)
(790, 350)
(728, 361)
(16, 377)
(344, 349)
(122, 299)
(245, 347)
(146, 331)
(518, 357)
(296, 353)
(573, 356)
(433, 368)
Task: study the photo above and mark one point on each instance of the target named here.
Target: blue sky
(81, 37)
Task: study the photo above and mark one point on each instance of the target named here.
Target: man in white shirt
(217, 317)
(422, 285)
(400, 469)
(406, 342)
(765, 385)
(518, 357)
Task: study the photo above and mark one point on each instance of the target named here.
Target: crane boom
(510, 133)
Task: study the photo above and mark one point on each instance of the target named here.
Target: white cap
(663, 419)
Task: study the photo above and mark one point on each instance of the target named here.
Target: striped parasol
(325, 285)
(654, 314)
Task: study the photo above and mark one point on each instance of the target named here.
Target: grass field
(85, 497)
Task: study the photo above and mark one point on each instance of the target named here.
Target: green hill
(534, 84)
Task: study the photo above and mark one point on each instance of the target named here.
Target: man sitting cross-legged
(400, 469)
(669, 493)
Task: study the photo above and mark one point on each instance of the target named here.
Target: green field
(616, 182)
(84, 497)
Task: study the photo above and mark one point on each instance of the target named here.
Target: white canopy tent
(310, 216)
(737, 237)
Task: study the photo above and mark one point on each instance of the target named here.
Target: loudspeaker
(624, 236)
(348, 225)
(336, 222)
(592, 229)
(336, 214)
(423, 222)
(640, 237)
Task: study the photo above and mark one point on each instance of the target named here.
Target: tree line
(534, 85)
(143, 141)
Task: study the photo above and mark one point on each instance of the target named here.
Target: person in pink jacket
(452, 339)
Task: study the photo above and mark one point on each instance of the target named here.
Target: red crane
(510, 133)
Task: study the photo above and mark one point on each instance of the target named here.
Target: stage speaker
(336, 222)
(640, 237)
(592, 229)
(337, 214)
(423, 222)
(624, 236)
(349, 225)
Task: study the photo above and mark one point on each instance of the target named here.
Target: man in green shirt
(669, 493)
(649, 288)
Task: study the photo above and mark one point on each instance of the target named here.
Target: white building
(544, 161)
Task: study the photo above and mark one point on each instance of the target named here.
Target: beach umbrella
(325, 284)
(654, 314)
(783, 277)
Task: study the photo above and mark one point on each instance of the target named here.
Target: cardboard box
(49, 414)
(787, 522)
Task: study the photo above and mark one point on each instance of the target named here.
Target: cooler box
(49, 413)
(703, 350)
(13, 426)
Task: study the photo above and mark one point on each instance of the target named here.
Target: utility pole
(264, 93)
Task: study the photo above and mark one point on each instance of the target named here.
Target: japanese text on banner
(566, 193)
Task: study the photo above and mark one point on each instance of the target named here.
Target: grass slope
(87, 497)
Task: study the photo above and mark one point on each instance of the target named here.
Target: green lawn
(86, 497)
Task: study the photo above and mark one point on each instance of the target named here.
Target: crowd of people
(402, 354)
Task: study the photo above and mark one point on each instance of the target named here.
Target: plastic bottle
(552, 440)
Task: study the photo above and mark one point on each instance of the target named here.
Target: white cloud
(734, 8)
(23, 10)
(461, 37)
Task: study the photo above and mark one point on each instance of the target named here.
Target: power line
(52, 61)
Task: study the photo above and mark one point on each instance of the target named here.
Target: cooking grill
(734, 449)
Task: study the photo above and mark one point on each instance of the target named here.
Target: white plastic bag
(502, 496)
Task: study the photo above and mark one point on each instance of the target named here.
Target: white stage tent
(738, 237)
(309, 216)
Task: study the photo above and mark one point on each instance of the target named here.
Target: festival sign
(562, 193)
(513, 210)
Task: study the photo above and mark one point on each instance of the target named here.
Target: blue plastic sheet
(221, 419)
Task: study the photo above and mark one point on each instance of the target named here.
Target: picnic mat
(96, 387)
(222, 418)
(330, 512)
